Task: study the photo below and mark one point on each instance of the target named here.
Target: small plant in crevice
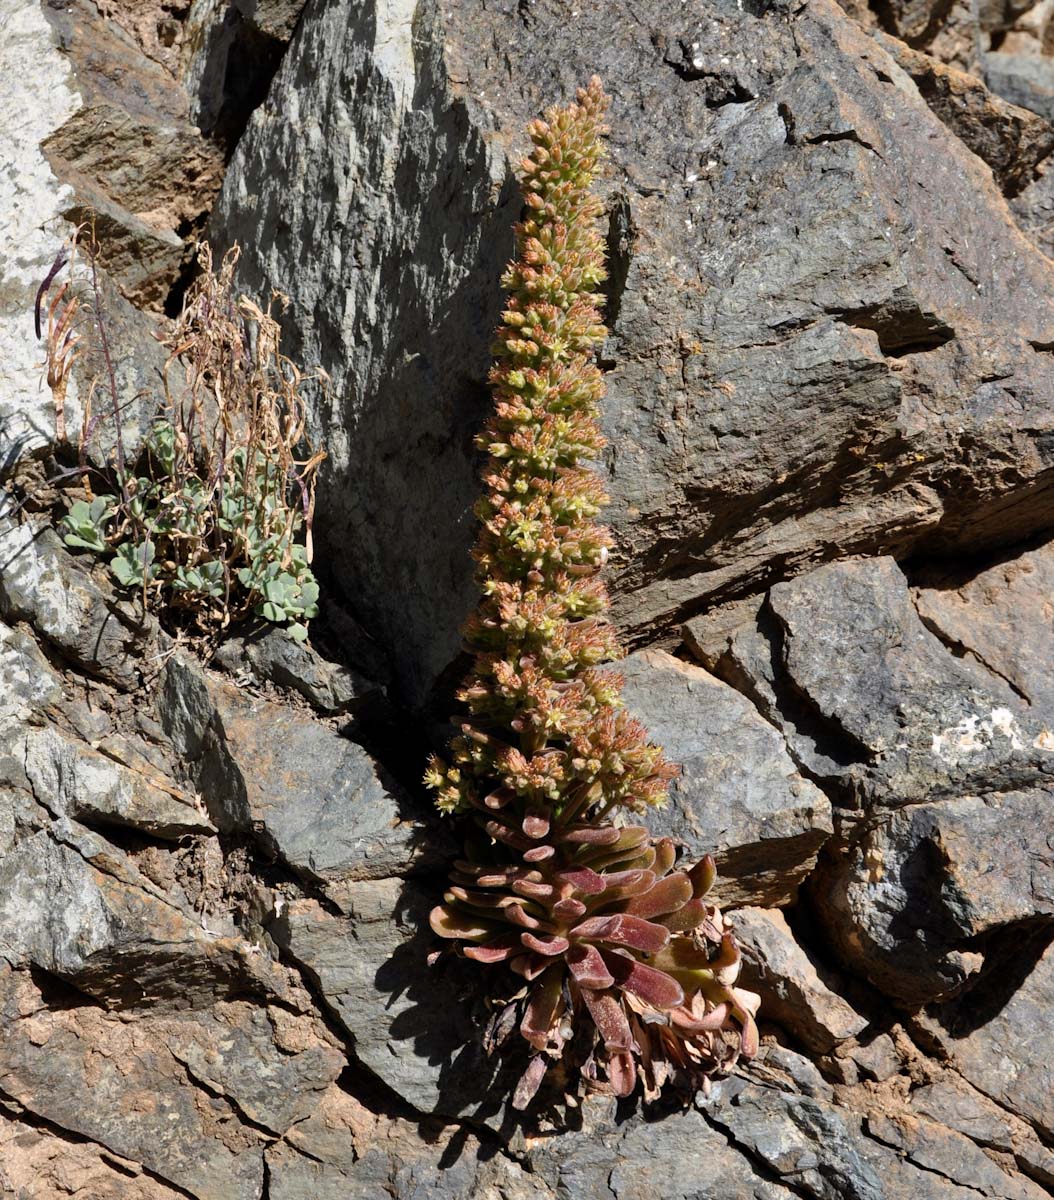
(212, 521)
(607, 956)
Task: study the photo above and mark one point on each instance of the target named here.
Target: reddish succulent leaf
(627, 879)
(591, 835)
(569, 909)
(716, 1018)
(622, 1073)
(582, 879)
(749, 1039)
(668, 895)
(447, 923)
(543, 1008)
(499, 950)
(530, 966)
(545, 945)
(535, 891)
(530, 1082)
(703, 875)
(727, 962)
(640, 859)
(587, 966)
(539, 853)
(536, 824)
(665, 855)
(511, 837)
(499, 798)
(610, 1019)
(624, 930)
(691, 916)
(516, 914)
(646, 983)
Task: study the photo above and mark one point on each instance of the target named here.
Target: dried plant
(627, 971)
(207, 523)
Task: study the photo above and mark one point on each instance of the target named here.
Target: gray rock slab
(76, 907)
(681, 1157)
(999, 1041)
(272, 655)
(739, 796)
(1023, 79)
(90, 786)
(793, 994)
(40, 582)
(905, 903)
(829, 1153)
(346, 1152)
(314, 798)
(272, 1064)
(952, 1102)
(416, 1027)
(945, 1153)
(869, 699)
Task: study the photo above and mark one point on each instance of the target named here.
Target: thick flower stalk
(605, 935)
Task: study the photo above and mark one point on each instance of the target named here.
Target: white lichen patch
(33, 104)
(976, 734)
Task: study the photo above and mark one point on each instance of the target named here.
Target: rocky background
(831, 459)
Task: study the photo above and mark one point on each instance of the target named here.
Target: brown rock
(1011, 140)
(792, 991)
(132, 153)
(38, 1164)
(1002, 617)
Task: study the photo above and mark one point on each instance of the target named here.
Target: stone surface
(69, 778)
(344, 1151)
(272, 655)
(739, 796)
(828, 341)
(906, 904)
(130, 153)
(73, 905)
(32, 201)
(143, 1105)
(1001, 618)
(832, 1154)
(40, 582)
(951, 1156)
(792, 992)
(1013, 141)
(370, 966)
(997, 1038)
(37, 1164)
(784, 264)
(869, 699)
(1024, 79)
(318, 800)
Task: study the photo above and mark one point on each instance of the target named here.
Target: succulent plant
(84, 526)
(620, 969)
(210, 518)
(133, 564)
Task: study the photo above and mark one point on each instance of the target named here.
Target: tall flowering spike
(591, 918)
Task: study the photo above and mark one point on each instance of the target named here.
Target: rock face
(830, 425)
(781, 263)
